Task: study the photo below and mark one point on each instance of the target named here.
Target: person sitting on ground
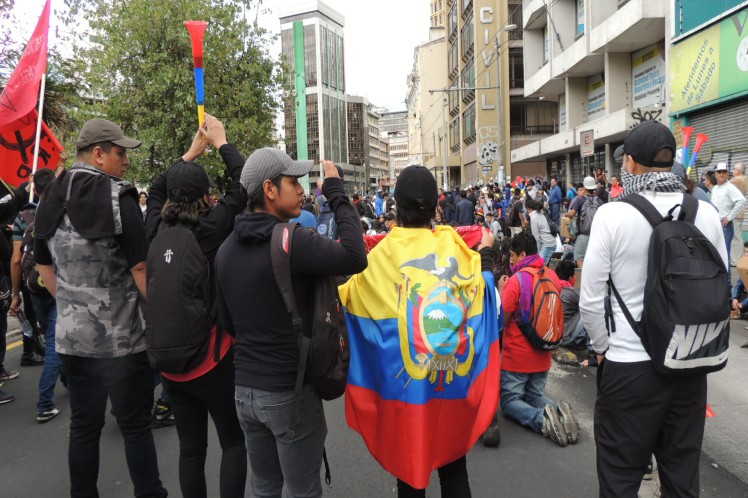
(575, 337)
(524, 369)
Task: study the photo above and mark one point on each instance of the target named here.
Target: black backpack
(29, 275)
(323, 357)
(551, 225)
(179, 312)
(515, 213)
(587, 214)
(685, 326)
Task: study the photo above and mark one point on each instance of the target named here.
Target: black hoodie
(266, 351)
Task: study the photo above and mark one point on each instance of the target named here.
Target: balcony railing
(533, 129)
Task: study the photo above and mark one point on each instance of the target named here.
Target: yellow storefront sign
(695, 70)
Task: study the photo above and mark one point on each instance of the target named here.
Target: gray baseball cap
(102, 130)
(267, 163)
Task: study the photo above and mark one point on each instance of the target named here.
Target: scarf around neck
(660, 181)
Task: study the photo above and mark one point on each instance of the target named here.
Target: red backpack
(541, 320)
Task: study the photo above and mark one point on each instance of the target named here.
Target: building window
(467, 37)
(546, 43)
(468, 125)
(453, 21)
(468, 81)
(533, 118)
(324, 55)
(454, 135)
(516, 68)
(310, 53)
(580, 17)
(452, 58)
(515, 17)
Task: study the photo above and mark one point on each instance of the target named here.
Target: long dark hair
(188, 213)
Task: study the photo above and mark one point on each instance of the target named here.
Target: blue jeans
(729, 231)
(523, 398)
(45, 308)
(555, 212)
(281, 449)
(546, 253)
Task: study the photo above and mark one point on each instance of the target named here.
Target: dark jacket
(266, 351)
(465, 212)
(214, 227)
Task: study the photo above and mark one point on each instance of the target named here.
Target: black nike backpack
(179, 311)
(323, 356)
(685, 325)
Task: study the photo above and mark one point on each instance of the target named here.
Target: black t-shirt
(132, 240)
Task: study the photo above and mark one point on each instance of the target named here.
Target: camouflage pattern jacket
(98, 303)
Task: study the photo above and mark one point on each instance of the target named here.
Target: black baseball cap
(186, 182)
(646, 140)
(103, 130)
(416, 189)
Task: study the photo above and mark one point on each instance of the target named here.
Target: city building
(393, 127)
(427, 110)
(709, 78)
(324, 74)
(488, 112)
(438, 16)
(366, 149)
(604, 63)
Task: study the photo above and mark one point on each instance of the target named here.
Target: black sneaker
(553, 429)
(6, 375)
(32, 360)
(569, 421)
(6, 398)
(47, 415)
(163, 416)
(492, 436)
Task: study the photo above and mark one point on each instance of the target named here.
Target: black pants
(3, 332)
(639, 413)
(192, 401)
(128, 383)
(453, 478)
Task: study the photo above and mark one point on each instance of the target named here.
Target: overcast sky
(379, 40)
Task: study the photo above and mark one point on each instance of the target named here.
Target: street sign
(587, 143)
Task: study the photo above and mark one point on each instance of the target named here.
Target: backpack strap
(281, 245)
(646, 208)
(690, 207)
(629, 317)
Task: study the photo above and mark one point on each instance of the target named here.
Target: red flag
(20, 94)
(17, 149)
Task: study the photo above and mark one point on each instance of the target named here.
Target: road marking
(14, 345)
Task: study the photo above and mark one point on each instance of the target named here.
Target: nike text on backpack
(543, 323)
(323, 356)
(587, 214)
(179, 312)
(685, 325)
(31, 278)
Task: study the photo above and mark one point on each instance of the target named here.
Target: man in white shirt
(728, 200)
(638, 411)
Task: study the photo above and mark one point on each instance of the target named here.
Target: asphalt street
(33, 460)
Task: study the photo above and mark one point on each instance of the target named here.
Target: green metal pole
(302, 153)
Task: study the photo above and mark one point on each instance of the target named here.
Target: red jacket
(517, 353)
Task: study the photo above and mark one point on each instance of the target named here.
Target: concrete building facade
(366, 149)
(427, 110)
(324, 71)
(487, 112)
(393, 127)
(604, 63)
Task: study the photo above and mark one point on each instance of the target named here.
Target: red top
(209, 363)
(518, 355)
(615, 191)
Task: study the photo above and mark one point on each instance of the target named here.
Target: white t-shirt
(618, 247)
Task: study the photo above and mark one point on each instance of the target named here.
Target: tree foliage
(133, 65)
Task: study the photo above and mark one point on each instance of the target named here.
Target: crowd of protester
(119, 290)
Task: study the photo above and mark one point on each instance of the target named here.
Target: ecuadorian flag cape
(423, 326)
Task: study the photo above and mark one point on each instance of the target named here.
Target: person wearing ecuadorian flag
(423, 325)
